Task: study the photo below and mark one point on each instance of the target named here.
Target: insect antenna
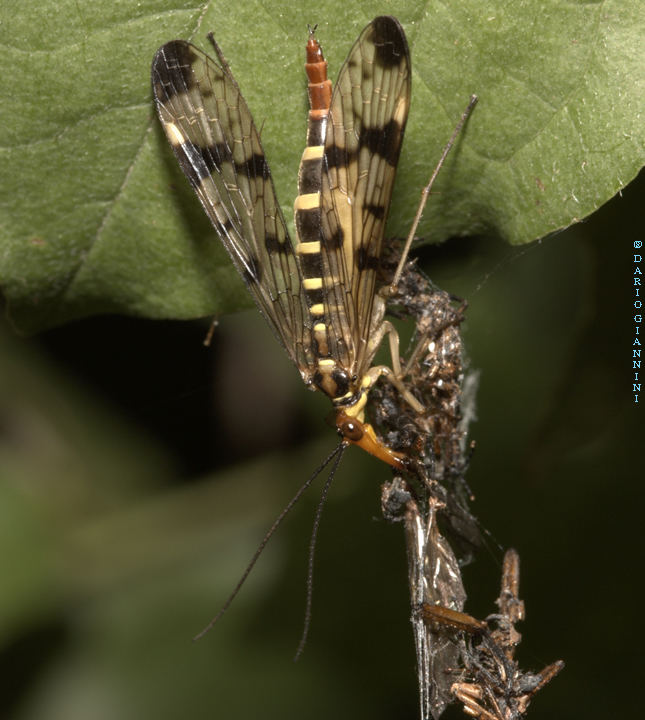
(312, 548)
(335, 453)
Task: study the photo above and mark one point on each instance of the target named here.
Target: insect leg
(395, 373)
(426, 192)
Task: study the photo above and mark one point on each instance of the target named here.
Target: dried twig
(434, 374)
(459, 658)
(493, 686)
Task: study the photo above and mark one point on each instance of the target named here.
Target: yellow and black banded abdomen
(328, 376)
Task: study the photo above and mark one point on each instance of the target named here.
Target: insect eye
(351, 430)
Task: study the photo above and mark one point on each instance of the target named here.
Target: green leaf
(95, 216)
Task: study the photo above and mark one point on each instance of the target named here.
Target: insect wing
(212, 133)
(369, 110)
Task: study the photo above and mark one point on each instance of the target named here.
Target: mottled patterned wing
(212, 133)
(369, 110)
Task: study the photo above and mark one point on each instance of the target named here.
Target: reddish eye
(351, 430)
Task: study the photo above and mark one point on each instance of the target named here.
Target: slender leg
(426, 192)
(395, 373)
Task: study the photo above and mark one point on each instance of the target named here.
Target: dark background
(140, 470)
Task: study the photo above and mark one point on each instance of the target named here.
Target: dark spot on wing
(172, 67)
(273, 244)
(336, 156)
(378, 211)
(254, 167)
(335, 240)
(365, 261)
(389, 41)
(385, 141)
(227, 226)
(199, 162)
